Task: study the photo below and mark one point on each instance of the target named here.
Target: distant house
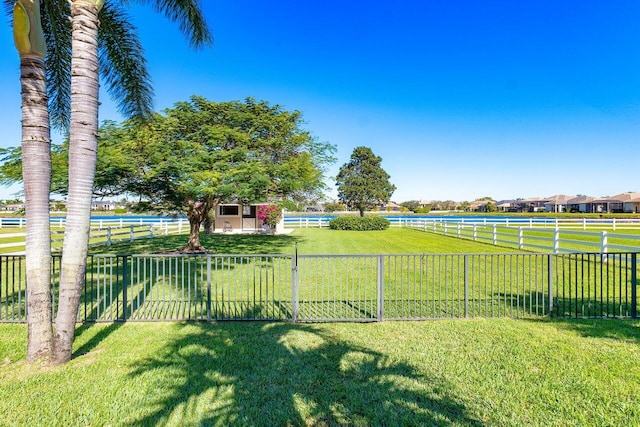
(12, 207)
(533, 204)
(581, 204)
(624, 202)
(390, 207)
(479, 205)
(557, 203)
(103, 205)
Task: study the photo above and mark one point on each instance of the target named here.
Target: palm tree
(121, 60)
(83, 148)
(36, 170)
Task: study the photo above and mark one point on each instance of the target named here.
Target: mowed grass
(461, 373)
(314, 241)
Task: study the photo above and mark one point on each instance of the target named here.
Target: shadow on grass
(94, 340)
(216, 243)
(284, 374)
(618, 329)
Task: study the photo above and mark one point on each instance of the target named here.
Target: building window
(229, 210)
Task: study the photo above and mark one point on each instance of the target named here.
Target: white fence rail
(555, 240)
(584, 224)
(102, 233)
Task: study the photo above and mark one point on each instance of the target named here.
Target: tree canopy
(362, 183)
(201, 153)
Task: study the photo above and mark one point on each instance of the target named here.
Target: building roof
(558, 199)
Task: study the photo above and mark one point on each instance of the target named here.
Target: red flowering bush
(269, 215)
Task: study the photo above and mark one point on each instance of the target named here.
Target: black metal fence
(340, 287)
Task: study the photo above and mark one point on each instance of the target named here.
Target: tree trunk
(193, 245)
(209, 223)
(83, 144)
(36, 175)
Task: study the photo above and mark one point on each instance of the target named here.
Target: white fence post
(475, 232)
(458, 229)
(604, 246)
(495, 234)
(556, 240)
(520, 239)
(131, 235)
(614, 224)
(108, 236)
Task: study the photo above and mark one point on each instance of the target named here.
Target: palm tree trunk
(83, 143)
(36, 175)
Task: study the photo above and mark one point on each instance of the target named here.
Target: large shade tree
(362, 182)
(201, 153)
(76, 52)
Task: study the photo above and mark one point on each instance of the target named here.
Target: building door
(249, 218)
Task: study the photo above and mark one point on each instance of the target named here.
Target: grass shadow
(215, 243)
(96, 339)
(288, 374)
(617, 329)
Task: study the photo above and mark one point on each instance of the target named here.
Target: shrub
(359, 223)
(269, 215)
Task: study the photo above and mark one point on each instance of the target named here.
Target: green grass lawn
(314, 241)
(468, 373)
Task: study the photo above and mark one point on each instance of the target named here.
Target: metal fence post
(108, 236)
(380, 290)
(634, 285)
(209, 288)
(125, 284)
(466, 286)
(550, 282)
(295, 284)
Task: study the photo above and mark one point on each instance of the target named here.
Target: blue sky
(461, 99)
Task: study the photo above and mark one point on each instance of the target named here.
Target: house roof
(558, 199)
(580, 199)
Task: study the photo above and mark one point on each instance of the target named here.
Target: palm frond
(57, 32)
(122, 63)
(188, 14)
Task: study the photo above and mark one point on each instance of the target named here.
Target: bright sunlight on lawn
(472, 373)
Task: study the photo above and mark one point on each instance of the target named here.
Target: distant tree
(362, 183)
(465, 206)
(490, 207)
(334, 207)
(412, 205)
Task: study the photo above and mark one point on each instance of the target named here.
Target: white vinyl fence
(536, 238)
(103, 232)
